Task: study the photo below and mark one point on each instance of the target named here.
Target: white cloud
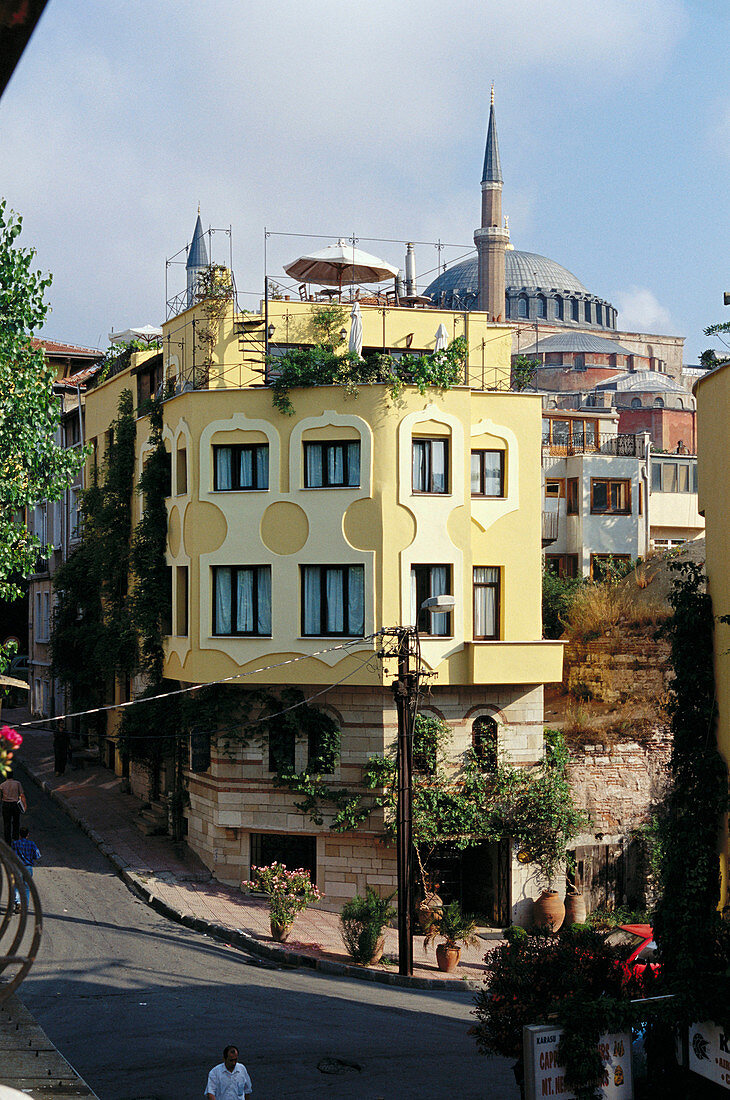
(640, 311)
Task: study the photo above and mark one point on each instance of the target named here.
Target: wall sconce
(270, 331)
(343, 334)
(409, 339)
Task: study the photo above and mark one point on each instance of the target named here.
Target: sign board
(545, 1076)
(709, 1053)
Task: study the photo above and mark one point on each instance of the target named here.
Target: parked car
(639, 941)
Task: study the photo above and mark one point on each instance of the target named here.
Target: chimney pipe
(410, 270)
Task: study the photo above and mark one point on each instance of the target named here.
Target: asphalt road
(142, 1007)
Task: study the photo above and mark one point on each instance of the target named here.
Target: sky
(333, 119)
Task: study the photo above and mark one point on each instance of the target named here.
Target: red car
(639, 940)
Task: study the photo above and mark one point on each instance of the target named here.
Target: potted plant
(575, 902)
(290, 892)
(362, 921)
(455, 928)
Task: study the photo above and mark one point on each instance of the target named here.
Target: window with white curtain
(242, 599)
(430, 466)
(427, 581)
(331, 465)
(487, 473)
(333, 600)
(486, 580)
(241, 466)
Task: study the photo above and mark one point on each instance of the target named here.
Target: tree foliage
(33, 467)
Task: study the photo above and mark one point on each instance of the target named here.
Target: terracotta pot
(280, 932)
(378, 952)
(575, 909)
(447, 957)
(428, 909)
(548, 911)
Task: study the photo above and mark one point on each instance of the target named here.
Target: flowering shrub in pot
(10, 740)
(290, 892)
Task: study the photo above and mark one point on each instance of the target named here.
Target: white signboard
(709, 1053)
(545, 1075)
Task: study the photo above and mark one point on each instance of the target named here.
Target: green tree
(33, 468)
(524, 371)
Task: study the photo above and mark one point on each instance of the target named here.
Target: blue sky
(369, 118)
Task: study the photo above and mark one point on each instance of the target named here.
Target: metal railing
(20, 925)
(623, 446)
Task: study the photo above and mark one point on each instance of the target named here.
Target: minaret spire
(197, 259)
(492, 237)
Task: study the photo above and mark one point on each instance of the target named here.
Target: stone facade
(235, 802)
(613, 670)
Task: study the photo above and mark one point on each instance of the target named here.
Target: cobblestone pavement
(177, 883)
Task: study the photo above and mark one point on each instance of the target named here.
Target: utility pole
(403, 692)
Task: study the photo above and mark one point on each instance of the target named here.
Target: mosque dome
(536, 288)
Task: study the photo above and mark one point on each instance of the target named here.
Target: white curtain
(245, 472)
(335, 601)
(492, 473)
(336, 464)
(419, 466)
(486, 589)
(438, 453)
(476, 487)
(244, 601)
(313, 474)
(414, 599)
(264, 613)
(223, 471)
(439, 587)
(312, 623)
(353, 463)
(223, 600)
(356, 601)
(262, 467)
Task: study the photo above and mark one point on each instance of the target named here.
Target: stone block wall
(614, 670)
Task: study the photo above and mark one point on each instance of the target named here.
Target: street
(142, 1007)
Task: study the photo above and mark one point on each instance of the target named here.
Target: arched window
(507, 309)
(575, 309)
(680, 403)
(588, 313)
(522, 306)
(658, 402)
(485, 742)
(541, 306)
(599, 314)
(558, 309)
(635, 402)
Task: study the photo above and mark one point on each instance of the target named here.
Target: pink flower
(11, 736)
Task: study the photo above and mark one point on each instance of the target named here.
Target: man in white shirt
(229, 1080)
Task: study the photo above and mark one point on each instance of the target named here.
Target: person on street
(28, 854)
(229, 1080)
(12, 798)
(61, 746)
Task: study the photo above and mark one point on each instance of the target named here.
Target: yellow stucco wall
(713, 462)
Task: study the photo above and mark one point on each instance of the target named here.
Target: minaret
(197, 260)
(492, 238)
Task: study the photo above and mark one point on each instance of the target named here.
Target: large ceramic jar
(548, 911)
(447, 957)
(575, 909)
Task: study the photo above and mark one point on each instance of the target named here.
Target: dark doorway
(292, 851)
(477, 877)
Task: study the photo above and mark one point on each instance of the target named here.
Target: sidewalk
(176, 883)
(30, 1063)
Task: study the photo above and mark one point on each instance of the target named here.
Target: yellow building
(713, 463)
(294, 539)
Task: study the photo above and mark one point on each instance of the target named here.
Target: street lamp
(405, 689)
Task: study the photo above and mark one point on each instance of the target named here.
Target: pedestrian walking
(12, 800)
(61, 747)
(229, 1080)
(28, 854)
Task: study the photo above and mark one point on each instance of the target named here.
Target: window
(430, 466)
(242, 599)
(588, 313)
(486, 601)
(522, 306)
(181, 471)
(199, 750)
(575, 310)
(74, 514)
(562, 565)
(166, 617)
(282, 751)
(181, 601)
(487, 473)
(554, 488)
(332, 465)
(610, 495)
(658, 402)
(541, 305)
(46, 614)
(599, 314)
(635, 402)
(571, 491)
(333, 600)
(241, 466)
(603, 564)
(292, 851)
(485, 742)
(427, 581)
(558, 309)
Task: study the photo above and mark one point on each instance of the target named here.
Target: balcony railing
(623, 446)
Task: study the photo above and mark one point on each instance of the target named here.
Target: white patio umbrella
(355, 343)
(340, 264)
(442, 338)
